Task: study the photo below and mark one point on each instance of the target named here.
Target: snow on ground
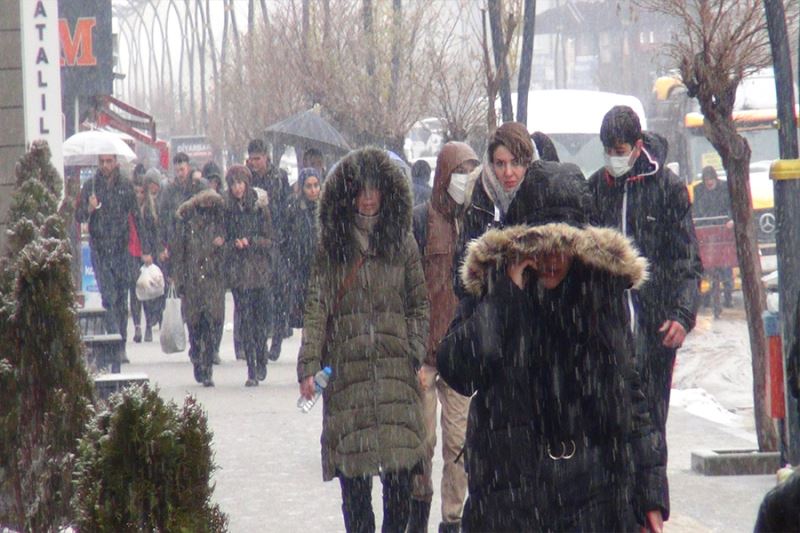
(713, 376)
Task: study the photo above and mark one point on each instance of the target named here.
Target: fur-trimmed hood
(603, 249)
(206, 197)
(337, 209)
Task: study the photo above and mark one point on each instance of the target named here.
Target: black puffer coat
(552, 375)
(659, 220)
(301, 242)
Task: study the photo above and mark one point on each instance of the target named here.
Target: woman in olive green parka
(367, 277)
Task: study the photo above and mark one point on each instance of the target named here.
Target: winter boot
(418, 516)
(251, 376)
(261, 370)
(449, 527)
(137, 335)
(198, 372)
(275, 348)
(148, 333)
(728, 300)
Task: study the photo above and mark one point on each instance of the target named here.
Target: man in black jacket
(108, 204)
(635, 193)
(274, 180)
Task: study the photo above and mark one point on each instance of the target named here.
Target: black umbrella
(307, 129)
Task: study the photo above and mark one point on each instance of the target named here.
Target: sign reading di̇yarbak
(41, 75)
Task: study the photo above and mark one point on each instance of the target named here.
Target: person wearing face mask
(435, 229)
(488, 198)
(638, 195)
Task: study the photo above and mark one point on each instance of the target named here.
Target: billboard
(41, 79)
(86, 48)
(197, 147)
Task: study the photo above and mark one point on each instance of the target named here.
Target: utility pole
(786, 176)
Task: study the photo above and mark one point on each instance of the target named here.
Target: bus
(572, 119)
(678, 119)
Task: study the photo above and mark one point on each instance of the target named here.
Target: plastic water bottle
(321, 379)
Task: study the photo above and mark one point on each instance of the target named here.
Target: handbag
(173, 333)
(150, 284)
(346, 284)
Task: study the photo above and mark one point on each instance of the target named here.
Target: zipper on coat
(624, 228)
(374, 370)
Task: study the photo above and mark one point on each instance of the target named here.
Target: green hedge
(146, 465)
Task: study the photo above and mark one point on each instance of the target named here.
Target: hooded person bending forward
(366, 317)
(558, 435)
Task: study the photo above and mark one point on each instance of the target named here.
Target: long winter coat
(198, 264)
(552, 374)
(659, 220)
(372, 417)
(301, 242)
(248, 268)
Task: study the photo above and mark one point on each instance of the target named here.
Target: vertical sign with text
(41, 75)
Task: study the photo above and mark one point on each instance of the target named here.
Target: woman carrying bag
(366, 317)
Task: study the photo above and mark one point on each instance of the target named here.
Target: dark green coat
(372, 417)
(198, 264)
(248, 268)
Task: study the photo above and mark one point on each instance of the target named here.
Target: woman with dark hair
(366, 318)
(248, 230)
(301, 240)
(559, 436)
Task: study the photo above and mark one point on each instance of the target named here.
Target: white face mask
(458, 188)
(618, 165)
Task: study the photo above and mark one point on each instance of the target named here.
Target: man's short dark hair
(620, 125)
(179, 158)
(256, 146)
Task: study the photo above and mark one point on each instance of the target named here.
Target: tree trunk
(500, 53)
(735, 154)
(397, 36)
(526, 60)
(491, 83)
(366, 14)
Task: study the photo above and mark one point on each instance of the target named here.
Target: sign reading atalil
(41, 75)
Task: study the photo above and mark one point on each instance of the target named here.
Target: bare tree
(526, 60)
(495, 71)
(720, 43)
(457, 99)
(500, 48)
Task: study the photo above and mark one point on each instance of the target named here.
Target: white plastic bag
(150, 284)
(173, 332)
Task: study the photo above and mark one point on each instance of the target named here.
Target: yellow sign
(711, 159)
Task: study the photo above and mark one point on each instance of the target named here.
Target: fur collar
(337, 205)
(603, 249)
(206, 196)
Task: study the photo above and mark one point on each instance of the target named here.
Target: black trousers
(204, 336)
(252, 308)
(357, 502)
(112, 272)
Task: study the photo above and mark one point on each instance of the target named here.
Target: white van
(572, 118)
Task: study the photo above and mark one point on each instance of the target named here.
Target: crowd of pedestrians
(539, 309)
